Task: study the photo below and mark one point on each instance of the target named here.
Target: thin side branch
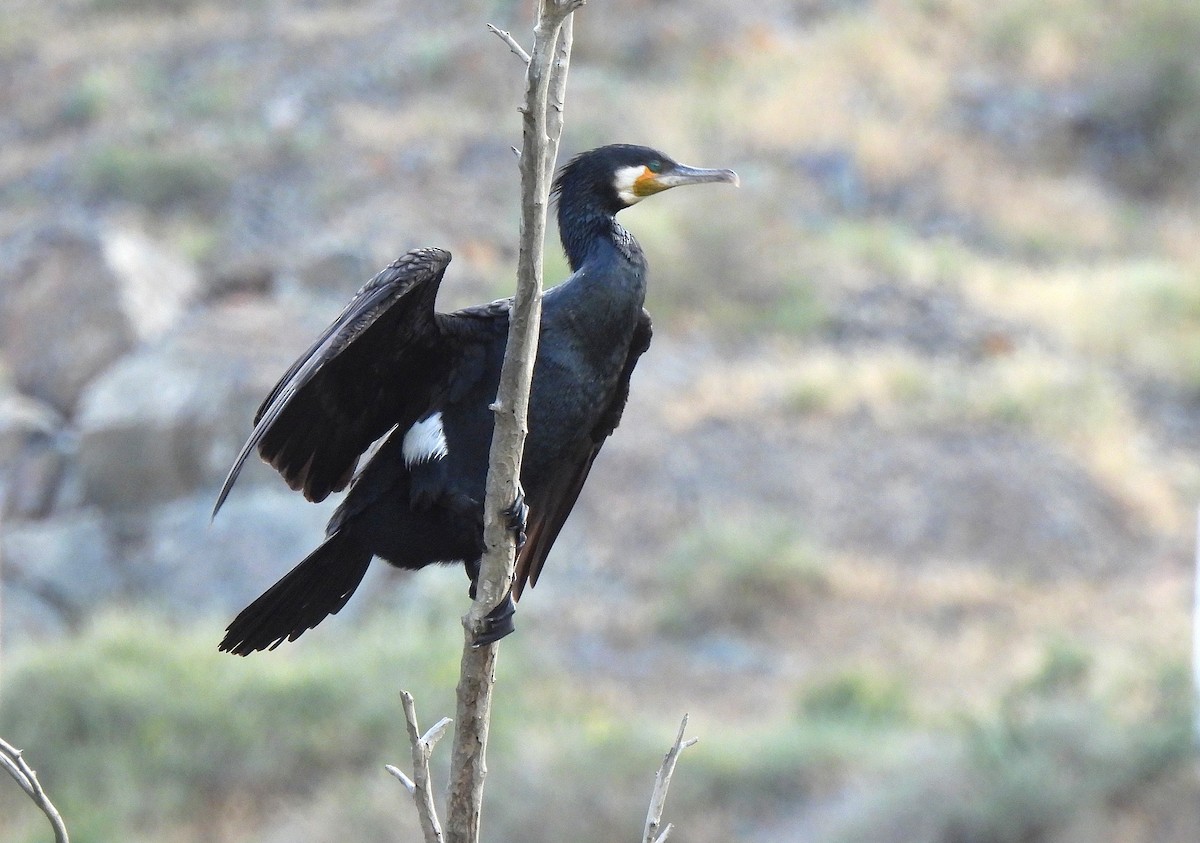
(658, 799)
(418, 786)
(17, 767)
(408, 783)
(507, 38)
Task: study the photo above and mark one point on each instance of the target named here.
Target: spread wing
(378, 363)
(547, 521)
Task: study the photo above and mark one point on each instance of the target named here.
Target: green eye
(655, 166)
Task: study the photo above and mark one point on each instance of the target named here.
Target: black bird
(389, 365)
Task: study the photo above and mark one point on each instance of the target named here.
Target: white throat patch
(425, 441)
(623, 181)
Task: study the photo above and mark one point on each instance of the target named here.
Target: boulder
(199, 565)
(61, 316)
(156, 285)
(24, 421)
(238, 276)
(34, 456)
(145, 430)
(57, 570)
(336, 274)
(32, 484)
(168, 420)
(74, 299)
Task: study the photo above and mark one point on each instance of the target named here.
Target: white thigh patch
(425, 440)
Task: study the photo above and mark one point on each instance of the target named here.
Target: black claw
(497, 623)
(473, 575)
(516, 515)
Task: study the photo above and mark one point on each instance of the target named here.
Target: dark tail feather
(316, 588)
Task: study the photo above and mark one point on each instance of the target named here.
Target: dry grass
(1144, 312)
(1069, 400)
(970, 633)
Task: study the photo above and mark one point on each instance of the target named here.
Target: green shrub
(1147, 94)
(857, 696)
(86, 100)
(137, 723)
(1066, 668)
(173, 7)
(736, 575)
(1031, 768)
(157, 180)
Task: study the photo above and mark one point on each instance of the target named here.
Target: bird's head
(621, 175)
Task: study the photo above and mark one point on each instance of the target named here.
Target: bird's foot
(497, 623)
(473, 575)
(516, 516)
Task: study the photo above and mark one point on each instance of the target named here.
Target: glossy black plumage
(390, 366)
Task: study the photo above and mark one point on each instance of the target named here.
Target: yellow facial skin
(634, 183)
(647, 184)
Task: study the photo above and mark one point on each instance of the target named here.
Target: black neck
(583, 225)
(608, 280)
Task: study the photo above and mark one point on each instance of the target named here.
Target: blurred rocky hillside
(924, 396)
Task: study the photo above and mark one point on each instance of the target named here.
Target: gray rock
(176, 556)
(167, 420)
(73, 300)
(61, 316)
(145, 428)
(34, 452)
(57, 570)
(156, 285)
(200, 565)
(31, 484)
(23, 421)
(336, 274)
(246, 275)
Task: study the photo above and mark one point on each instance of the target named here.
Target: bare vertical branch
(468, 765)
(2, 494)
(658, 799)
(557, 94)
(1196, 641)
(12, 760)
(545, 70)
(418, 786)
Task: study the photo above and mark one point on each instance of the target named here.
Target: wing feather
(547, 521)
(382, 354)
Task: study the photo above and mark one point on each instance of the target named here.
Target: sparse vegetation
(857, 697)
(1053, 762)
(730, 574)
(141, 6)
(156, 180)
(1026, 390)
(86, 101)
(143, 726)
(1144, 313)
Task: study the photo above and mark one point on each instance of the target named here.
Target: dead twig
(507, 38)
(658, 798)
(418, 786)
(12, 760)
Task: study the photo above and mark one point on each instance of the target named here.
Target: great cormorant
(389, 365)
